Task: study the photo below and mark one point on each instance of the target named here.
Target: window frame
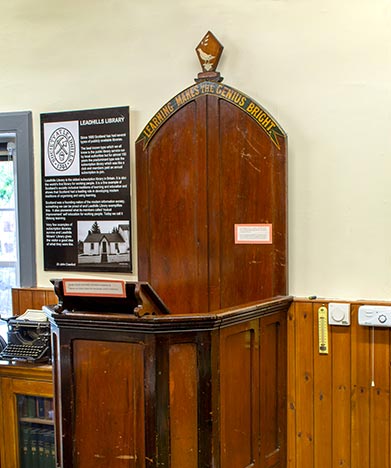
(20, 123)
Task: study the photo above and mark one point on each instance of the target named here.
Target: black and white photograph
(103, 243)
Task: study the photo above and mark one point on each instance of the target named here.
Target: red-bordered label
(94, 287)
(253, 234)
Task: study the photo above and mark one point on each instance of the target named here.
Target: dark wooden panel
(183, 405)
(273, 380)
(57, 399)
(172, 219)
(214, 203)
(109, 404)
(239, 396)
(208, 167)
(170, 390)
(251, 192)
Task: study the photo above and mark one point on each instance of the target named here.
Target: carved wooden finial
(209, 51)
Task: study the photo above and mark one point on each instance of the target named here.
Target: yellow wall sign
(254, 110)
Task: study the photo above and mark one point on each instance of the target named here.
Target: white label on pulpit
(91, 287)
(253, 234)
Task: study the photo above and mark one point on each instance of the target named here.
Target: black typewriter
(28, 338)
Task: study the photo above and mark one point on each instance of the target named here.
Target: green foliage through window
(6, 183)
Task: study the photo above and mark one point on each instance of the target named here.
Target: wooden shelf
(48, 422)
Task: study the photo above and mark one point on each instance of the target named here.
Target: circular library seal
(61, 149)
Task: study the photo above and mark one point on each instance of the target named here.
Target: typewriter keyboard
(23, 352)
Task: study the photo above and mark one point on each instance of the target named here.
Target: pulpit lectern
(188, 368)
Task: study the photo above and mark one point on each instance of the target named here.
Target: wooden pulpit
(187, 369)
(211, 197)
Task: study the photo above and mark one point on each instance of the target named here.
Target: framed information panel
(86, 190)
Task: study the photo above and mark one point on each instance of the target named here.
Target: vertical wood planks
(100, 371)
(380, 399)
(339, 403)
(183, 405)
(341, 386)
(323, 395)
(31, 298)
(291, 391)
(239, 396)
(361, 382)
(304, 343)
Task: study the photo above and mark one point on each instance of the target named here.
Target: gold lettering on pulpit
(260, 116)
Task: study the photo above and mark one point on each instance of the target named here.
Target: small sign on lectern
(94, 288)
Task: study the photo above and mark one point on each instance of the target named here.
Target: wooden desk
(179, 391)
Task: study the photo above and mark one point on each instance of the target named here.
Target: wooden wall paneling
(341, 396)
(361, 390)
(323, 398)
(291, 386)
(344, 396)
(380, 398)
(389, 401)
(31, 298)
(39, 299)
(50, 297)
(23, 300)
(15, 302)
(304, 345)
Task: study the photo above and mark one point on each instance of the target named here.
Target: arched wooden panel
(210, 159)
(172, 194)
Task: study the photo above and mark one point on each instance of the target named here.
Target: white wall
(322, 68)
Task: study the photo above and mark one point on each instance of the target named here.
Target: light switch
(339, 313)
